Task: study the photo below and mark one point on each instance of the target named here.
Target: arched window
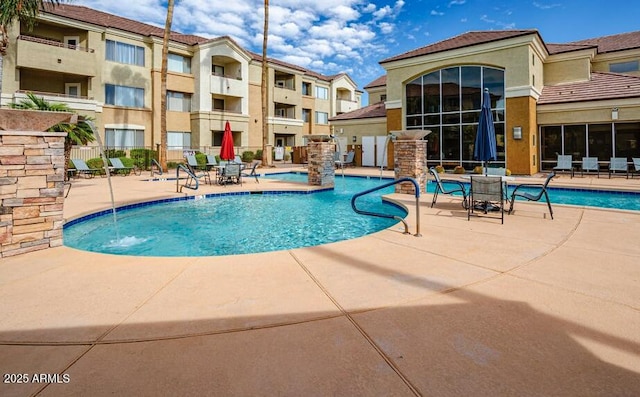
(448, 102)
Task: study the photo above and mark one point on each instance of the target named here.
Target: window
(72, 89)
(383, 97)
(217, 70)
(124, 138)
(306, 115)
(306, 88)
(178, 140)
(218, 104)
(624, 67)
(178, 101)
(72, 42)
(284, 110)
(448, 102)
(120, 95)
(322, 118)
(322, 93)
(178, 63)
(125, 53)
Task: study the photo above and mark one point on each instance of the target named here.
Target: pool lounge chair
(348, 161)
(539, 190)
(118, 168)
(197, 170)
(565, 163)
(230, 174)
(590, 164)
(83, 168)
(618, 164)
(636, 167)
(486, 195)
(441, 188)
(252, 173)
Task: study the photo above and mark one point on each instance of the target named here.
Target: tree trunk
(263, 88)
(67, 157)
(163, 88)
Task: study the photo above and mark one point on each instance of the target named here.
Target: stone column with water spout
(31, 181)
(320, 155)
(410, 159)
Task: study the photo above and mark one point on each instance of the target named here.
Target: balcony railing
(54, 43)
(53, 94)
(228, 76)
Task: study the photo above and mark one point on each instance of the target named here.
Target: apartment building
(580, 99)
(108, 67)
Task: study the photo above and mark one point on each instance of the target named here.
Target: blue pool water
(234, 224)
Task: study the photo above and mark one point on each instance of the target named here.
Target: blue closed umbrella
(485, 146)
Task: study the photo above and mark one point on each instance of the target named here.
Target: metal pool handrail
(155, 163)
(394, 182)
(187, 185)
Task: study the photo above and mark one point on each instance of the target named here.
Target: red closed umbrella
(227, 151)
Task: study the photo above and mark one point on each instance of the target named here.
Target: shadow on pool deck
(531, 307)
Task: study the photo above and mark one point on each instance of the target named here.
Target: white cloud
(545, 6)
(456, 2)
(436, 13)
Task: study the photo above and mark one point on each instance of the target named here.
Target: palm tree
(263, 87)
(163, 87)
(25, 11)
(77, 134)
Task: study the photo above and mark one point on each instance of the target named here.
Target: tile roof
(95, 17)
(367, 112)
(99, 18)
(379, 82)
(601, 86)
(560, 48)
(464, 40)
(616, 42)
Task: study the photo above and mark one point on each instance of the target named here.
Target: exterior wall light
(517, 132)
(614, 114)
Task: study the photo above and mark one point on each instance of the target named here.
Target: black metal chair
(440, 188)
(486, 195)
(539, 190)
(253, 173)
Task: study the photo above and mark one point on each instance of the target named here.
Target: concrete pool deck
(532, 307)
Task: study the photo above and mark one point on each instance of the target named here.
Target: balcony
(228, 85)
(344, 106)
(76, 103)
(50, 55)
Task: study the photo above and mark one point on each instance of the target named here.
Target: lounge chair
(590, 164)
(618, 164)
(441, 188)
(486, 195)
(565, 163)
(197, 170)
(118, 168)
(83, 168)
(636, 166)
(348, 161)
(538, 190)
(253, 173)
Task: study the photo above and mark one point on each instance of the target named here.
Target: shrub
(439, 169)
(142, 157)
(258, 154)
(172, 165)
(507, 172)
(478, 170)
(247, 156)
(458, 169)
(113, 153)
(201, 158)
(96, 162)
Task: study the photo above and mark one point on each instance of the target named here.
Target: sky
(352, 36)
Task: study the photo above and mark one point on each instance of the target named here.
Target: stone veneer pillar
(410, 160)
(321, 165)
(31, 191)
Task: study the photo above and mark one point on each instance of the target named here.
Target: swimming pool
(239, 223)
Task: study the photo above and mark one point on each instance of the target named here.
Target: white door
(381, 152)
(368, 151)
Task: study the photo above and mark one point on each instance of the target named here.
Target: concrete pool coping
(534, 306)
